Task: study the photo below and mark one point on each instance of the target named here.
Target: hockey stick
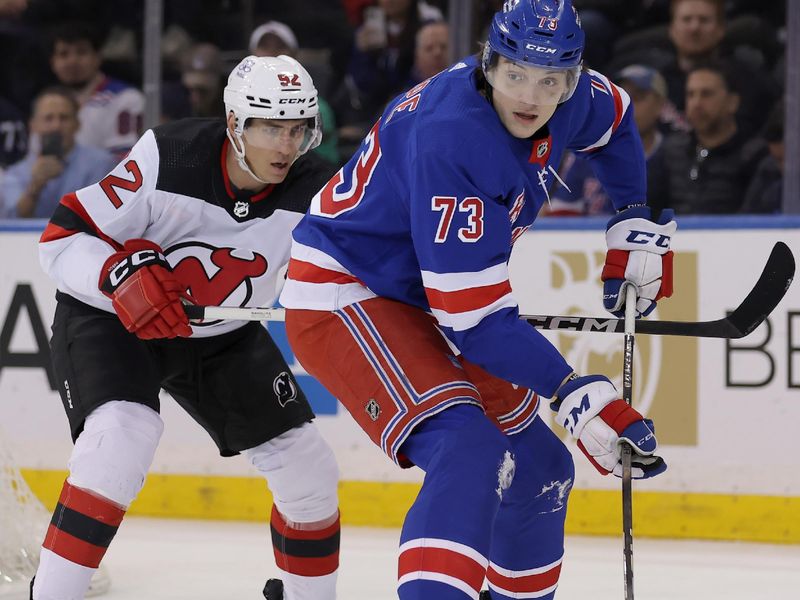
(627, 395)
(759, 303)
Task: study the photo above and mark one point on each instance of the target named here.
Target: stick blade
(769, 290)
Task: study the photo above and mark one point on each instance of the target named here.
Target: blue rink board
(325, 404)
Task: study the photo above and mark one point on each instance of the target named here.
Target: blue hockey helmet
(544, 34)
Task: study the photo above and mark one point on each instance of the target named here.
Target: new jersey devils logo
(216, 276)
(284, 388)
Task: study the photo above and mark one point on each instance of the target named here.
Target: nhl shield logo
(241, 209)
(542, 149)
(373, 409)
(284, 388)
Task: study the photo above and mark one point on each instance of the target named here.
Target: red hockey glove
(638, 252)
(144, 292)
(591, 410)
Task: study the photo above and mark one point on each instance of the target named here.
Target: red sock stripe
(307, 567)
(309, 553)
(279, 523)
(73, 549)
(91, 505)
(85, 514)
(444, 561)
(525, 584)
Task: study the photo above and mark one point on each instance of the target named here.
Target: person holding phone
(55, 163)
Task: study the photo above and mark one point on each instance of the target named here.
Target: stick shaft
(627, 395)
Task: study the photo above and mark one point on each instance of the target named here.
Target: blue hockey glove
(591, 410)
(638, 252)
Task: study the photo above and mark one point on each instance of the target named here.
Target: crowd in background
(705, 77)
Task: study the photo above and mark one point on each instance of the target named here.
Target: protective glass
(532, 85)
(276, 135)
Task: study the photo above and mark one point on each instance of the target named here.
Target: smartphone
(53, 144)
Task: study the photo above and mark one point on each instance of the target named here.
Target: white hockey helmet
(273, 88)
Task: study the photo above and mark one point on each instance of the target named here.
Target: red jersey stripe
(468, 299)
(71, 202)
(307, 272)
(53, 232)
(618, 107)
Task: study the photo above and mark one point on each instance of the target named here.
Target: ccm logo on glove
(129, 264)
(646, 237)
(591, 410)
(144, 292)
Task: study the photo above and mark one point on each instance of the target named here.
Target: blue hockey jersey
(428, 209)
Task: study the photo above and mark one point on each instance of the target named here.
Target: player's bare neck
(241, 179)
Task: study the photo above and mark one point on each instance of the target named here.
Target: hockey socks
(79, 534)
(447, 533)
(308, 558)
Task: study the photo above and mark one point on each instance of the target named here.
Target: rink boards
(726, 413)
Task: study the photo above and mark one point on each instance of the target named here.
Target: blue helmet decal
(544, 33)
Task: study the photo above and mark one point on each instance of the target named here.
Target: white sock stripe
(536, 571)
(523, 595)
(441, 578)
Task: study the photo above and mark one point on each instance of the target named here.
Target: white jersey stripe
(466, 320)
(453, 282)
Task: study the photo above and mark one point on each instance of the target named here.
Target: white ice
(197, 560)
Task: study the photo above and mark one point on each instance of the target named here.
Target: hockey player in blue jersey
(399, 301)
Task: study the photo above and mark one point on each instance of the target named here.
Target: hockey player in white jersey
(201, 210)
(401, 267)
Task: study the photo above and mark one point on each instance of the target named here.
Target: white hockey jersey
(228, 247)
(111, 118)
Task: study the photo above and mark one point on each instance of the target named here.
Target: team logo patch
(542, 149)
(241, 209)
(373, 409)
(216, 276)
(284, 388)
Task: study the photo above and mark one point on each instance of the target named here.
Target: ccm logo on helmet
(292, 101)
(543, 49)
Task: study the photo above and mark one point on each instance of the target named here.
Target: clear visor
(532, 85)
(284, 136)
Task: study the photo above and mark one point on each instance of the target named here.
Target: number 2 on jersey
(110, 182)
(447, 206)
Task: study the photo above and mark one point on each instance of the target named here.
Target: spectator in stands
(709, 168)
(583, 194)
(203, 76)
(13, 137)
(431, 52)
(274, 38)
(111, 110)
(23, 68)
(56, 164)
(697, 34)
(381, 62)
(765, 193)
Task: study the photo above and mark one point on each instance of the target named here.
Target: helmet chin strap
(240, 157)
